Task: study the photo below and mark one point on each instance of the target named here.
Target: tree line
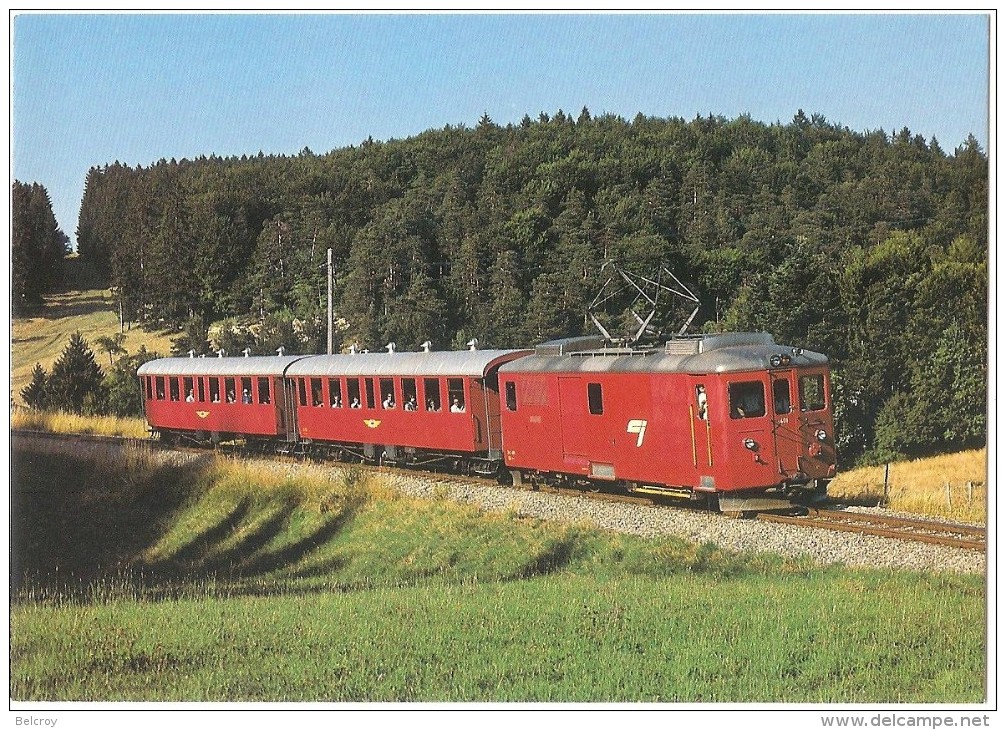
(37, 246)
(870, 247)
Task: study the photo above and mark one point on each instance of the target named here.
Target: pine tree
(76, 378)
(35, 394)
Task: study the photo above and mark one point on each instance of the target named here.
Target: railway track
(966, 537)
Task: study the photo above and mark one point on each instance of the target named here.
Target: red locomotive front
(731, 416)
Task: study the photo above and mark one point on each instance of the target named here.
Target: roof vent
(221, 353)
(473, 344)
(390, 347)
(427, 346)
(246, 352)
(280, 350)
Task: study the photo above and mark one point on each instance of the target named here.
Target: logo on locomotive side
(371, 422)
(202, 414)
(637, 425)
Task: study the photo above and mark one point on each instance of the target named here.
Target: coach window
(812, 393)
(387, 393)
(302, 391)
(229, 389)
(201, 390)
(456, 394)
(190, 394)
(246, 391)
(595, 403)
(780, 397)
(510, 390)
(353, 392)
(263, 391)
(173, 388)
(409, 394)
(317, 397)
(431, 394)
(149, 383)
(747, 400)
(159, 388)
(214, 390)
(368, 383)
(335, 392)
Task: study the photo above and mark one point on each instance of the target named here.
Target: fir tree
(35, 394)
(76, 378)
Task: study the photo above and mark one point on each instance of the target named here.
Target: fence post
(971, 492)
(887, 472)
(949, 502)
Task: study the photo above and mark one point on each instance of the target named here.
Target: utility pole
(329, 301)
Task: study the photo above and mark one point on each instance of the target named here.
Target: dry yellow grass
(62, 422)
(41, 338)
(920, 486)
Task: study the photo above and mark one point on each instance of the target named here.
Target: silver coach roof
(249, 366)
(474, 363)
(721, 353)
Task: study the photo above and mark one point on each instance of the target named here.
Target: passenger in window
(457, 406)
(230, 397)
(410, 404)
(432, 406)
(216, 397)
(355, 403)
(389, 402)
(336, 401)
(189, 397)
(700, 397)
(246, 397)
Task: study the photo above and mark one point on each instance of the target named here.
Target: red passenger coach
(403, 407)
(216, 399)
(731, 417)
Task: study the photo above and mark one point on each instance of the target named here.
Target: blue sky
(92, 89)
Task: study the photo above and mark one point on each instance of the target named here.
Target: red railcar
(402, 407)
(214, 399)
(735, 417)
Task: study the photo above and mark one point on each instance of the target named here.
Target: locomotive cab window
(747, 400)
(263, 391)
(701, 403)
(812, 393)
(780, 396)
(511, 396)
(595, 403)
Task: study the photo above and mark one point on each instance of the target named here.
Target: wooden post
(971, 492)
(887, 473)
(949, 502)
(329, 301)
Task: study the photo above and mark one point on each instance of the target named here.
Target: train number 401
(637, 425)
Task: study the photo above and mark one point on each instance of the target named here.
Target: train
(733, 420)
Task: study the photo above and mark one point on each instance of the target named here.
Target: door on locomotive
(787, 438)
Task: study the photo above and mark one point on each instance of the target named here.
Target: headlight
(775, 361)
(821, 435)
(750, 444)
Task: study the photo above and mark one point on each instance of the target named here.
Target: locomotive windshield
(747, 400)
(812, 393)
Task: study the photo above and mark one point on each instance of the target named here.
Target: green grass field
(211, 580)
(40, 338)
